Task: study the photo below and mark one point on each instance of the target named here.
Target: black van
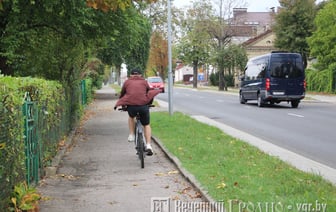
(272, 78)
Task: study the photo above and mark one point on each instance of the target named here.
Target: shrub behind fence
(55, 110)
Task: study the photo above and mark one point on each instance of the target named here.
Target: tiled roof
(254, 39)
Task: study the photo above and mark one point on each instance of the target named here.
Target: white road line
(296, 115)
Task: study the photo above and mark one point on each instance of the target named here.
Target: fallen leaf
(176, 198)
(185, 190)
(221, 185)
(2, 145)
(113, 202)
(197, 195)
(160, 174)
(61, 143)
(173, 172)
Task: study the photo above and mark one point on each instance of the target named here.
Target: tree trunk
(118, 69)
(195, 66)
(221, 82)
(4, 68)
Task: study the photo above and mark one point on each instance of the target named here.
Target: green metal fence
(32, 148)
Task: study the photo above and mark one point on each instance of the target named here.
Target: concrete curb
(191, 179)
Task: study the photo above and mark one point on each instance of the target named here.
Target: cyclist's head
(136, 71)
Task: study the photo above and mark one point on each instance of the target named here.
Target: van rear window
(286, 66)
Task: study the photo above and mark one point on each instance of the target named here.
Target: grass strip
(240, 175)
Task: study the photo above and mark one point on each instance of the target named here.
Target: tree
(158, 57)
(128, 42)
(55, 39)
(47, 39)
(221, 32)
(107, 5)
(195, 46)
(322, 45)
(139, 40)
(294, 23)
(322, 41)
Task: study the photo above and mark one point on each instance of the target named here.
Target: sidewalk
(100, 170)
(323, 98)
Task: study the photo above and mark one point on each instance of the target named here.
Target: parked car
(273, 78)
(156, 83)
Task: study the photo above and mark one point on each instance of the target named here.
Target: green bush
(214, 79)
(12, 155)
(53, 108)
(321, 81)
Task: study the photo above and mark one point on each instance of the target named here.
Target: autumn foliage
(158, 56)
(106, 5)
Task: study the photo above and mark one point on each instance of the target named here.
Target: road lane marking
(296, 115)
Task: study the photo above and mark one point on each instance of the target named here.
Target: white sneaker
(131, 138)
(149, 150)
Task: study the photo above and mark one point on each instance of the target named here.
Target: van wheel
(242, 99)
(295, 103)
(260, 101)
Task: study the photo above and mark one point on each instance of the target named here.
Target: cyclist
(136, 95)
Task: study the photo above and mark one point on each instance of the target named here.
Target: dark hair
(136, 72)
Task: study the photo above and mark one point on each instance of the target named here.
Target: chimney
(239, 11)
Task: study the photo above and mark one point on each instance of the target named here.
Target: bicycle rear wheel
(140, 149)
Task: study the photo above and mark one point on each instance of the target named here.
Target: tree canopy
(322, 41)
(294, 23)
(54, 39)
(194, 47)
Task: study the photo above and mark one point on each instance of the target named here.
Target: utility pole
(170, 72)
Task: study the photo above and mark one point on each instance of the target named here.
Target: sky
(252, 5)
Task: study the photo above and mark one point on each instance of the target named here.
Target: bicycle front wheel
(141, 148)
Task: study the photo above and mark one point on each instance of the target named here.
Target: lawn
(237, 173)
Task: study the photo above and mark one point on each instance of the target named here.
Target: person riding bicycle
(136, 96)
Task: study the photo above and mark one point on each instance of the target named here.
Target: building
(246, 25)
(259, 45)
(183, 73)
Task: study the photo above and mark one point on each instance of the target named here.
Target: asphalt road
(307, 130)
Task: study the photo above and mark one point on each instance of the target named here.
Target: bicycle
(139, 141)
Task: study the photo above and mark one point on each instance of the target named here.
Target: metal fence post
(83, 91)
